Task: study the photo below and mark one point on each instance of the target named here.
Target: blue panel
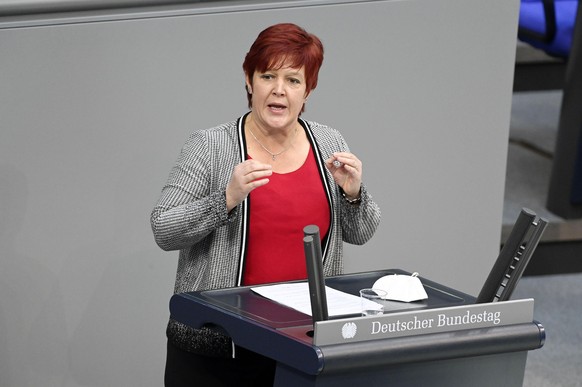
(532, 17)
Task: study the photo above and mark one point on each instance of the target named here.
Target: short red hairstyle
(285, 43)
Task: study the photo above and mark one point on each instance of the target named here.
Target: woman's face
(278, 97)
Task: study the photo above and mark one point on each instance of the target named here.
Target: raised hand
(246, 176)
(346, 170)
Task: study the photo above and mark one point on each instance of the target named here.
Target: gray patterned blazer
(191, 216)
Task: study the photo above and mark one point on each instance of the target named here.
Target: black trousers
(186, 369)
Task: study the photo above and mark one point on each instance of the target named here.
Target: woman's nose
(279, 88)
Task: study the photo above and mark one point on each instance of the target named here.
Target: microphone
(314, 262)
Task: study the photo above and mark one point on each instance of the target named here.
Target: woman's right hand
(246, 176)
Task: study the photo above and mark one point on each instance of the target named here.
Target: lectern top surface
(243, 301)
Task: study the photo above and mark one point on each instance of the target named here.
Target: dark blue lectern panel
(283, 334)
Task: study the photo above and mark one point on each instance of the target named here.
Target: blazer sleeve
(188, 209)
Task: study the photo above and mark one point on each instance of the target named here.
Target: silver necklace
(273, 155)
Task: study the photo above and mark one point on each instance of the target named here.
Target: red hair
(287, 44)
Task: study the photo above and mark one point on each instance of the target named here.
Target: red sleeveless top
(278, 212)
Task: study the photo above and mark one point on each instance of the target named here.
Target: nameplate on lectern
(420, 322)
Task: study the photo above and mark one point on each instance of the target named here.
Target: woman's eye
(267, 76)
(295, 81)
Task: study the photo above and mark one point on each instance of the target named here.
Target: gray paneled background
(93, 115)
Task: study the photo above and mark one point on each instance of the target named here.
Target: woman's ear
(248, 84)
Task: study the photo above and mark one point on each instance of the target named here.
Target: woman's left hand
(346, 170)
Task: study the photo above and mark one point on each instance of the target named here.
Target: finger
(350, 165)
(355, 175)
(333, 163)
(346, 158)
(257, 175)
(254, 165)
(343, 155)
(258, 183)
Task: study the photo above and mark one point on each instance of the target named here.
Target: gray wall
(93, 115)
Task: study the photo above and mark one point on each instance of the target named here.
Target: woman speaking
(237, 200)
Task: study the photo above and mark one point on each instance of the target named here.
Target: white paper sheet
(296, 295)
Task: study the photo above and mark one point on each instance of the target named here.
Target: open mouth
(277, 107)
